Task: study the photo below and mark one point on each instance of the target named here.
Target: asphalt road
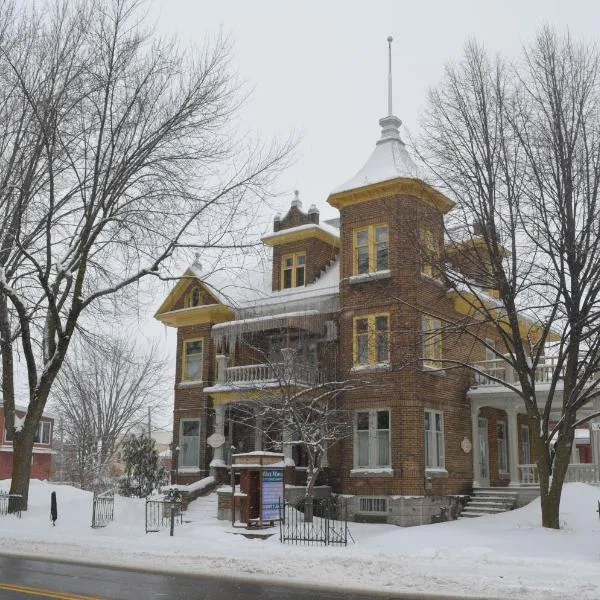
(27, 579)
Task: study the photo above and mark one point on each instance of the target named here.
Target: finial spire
(390, 39)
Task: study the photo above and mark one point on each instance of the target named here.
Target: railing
(503, 371)
(580, 473)
(272, 372)
(103, 509)
(327, 525)
(11, 504)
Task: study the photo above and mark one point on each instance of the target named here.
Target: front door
(484, 454)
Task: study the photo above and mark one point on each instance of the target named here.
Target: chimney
(313, 214)
(277, 222)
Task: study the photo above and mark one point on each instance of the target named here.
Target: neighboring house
(42, 448)
(348, 298)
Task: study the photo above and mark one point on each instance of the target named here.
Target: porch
(510, 438)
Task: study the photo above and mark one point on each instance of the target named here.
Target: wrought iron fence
(11, 504)
(162, 513)
(103, 509)
(327, 526)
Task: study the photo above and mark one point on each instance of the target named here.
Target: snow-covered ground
(504, 556)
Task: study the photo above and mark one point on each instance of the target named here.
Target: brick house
(353, 297)
(41, 465)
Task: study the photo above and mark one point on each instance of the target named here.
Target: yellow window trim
(431, 249)
(184, 358)
(370, 229)
(371, 333)
(294, 256)
(432, 342)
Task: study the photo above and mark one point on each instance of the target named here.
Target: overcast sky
(319, 68)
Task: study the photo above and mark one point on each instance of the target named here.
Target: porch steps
(489, 501)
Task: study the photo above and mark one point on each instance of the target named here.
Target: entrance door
(484, 453)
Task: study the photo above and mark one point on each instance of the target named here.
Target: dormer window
(371, 249)
(293, 270)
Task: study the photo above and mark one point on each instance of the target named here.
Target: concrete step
(498, 505)
(489, 501)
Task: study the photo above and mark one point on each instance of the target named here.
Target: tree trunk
(21, 470)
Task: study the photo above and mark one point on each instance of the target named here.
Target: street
(25, 578)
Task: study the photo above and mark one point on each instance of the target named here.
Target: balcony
(280, 373)
(500, 369)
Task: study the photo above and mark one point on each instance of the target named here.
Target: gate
(162, 513)
(13, 502)
(328, 526)
(103, 509)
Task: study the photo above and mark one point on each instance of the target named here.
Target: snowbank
(503, 556)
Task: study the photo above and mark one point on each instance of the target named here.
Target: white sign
(216, 440)
(466, 446)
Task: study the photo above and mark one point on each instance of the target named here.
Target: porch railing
(581, 473)
(500, 369)
(272, 372)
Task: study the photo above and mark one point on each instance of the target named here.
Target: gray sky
(319, 68)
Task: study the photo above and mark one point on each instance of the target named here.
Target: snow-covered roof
(325, 227)
(249, 292)
(389, 160)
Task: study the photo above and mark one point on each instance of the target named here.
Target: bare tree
(101, 394)
(116, 149)
(518, 147)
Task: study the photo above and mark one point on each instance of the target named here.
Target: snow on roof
(249, 292)
(389, 160)
(326, 227)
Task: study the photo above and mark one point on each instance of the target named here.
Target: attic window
(194, 298)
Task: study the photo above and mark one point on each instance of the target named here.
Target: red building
(42, 449)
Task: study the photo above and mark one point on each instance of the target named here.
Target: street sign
(272, 493)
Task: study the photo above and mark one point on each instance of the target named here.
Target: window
(430, 254)
(373, 505)
(502, 447)
(192, 360)
(293, 270)
(189, 452)
(434, 439)
(371, 339)
(372, 440)
(194, 298)
(371, 249)
(489, 350)
(525, 445)
(432, 343)
(42, 435)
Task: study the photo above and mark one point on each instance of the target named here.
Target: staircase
(489, 501)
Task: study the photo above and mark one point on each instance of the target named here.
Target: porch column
(286, 437)
(221, 368)
(513, 446)
(258, 433)
(218, 453)
(475, 444)
(595, 441)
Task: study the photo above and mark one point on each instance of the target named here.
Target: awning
(307, 320)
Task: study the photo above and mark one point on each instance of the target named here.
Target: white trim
(190, 468)
(434, 451)
(373, 447)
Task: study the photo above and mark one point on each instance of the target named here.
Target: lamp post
(232, 450)
(176, 462)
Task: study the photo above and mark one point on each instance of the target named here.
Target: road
(28, 579)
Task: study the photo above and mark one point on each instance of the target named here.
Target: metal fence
(11, 504)
(103, 509)
(328, 525)
(163, 513)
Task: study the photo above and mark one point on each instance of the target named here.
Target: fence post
(172, 516)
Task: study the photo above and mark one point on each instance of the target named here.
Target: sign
(272, 493)
(466, 445)
(216, 440)
(595, 426)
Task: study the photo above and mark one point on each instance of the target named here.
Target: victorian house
(353, 297)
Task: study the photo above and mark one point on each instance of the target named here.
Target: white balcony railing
(295, 373)
(500, 369)
(581, 473)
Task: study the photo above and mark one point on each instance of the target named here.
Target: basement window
(372, 505)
